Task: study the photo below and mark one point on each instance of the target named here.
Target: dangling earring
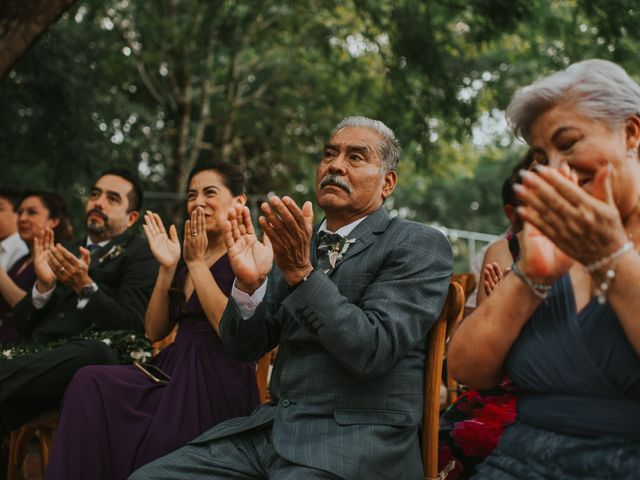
(633, 153)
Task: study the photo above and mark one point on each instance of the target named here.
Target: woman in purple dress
(115, 419)
(39, 214)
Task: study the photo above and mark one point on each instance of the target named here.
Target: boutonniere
(338, 249)
(114, 252)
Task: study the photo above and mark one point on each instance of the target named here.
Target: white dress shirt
(12, 249)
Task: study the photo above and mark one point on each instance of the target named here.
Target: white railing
(454, 235)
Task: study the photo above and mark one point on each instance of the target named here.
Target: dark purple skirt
(115, 419)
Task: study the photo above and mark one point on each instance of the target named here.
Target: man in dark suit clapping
(102, 282)
(350, 305)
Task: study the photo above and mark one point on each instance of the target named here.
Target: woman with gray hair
(564, 325)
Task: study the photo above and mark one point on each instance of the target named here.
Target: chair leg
(18, 445)
(45, 435)
(12, 444)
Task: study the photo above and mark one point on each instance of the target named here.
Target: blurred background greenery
(156, 86)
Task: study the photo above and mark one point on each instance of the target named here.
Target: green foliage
(127, 346)
(470, 200)
(155, 86)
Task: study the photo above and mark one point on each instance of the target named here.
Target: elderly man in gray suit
(350, 313)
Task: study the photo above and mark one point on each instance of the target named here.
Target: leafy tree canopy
(156, 86)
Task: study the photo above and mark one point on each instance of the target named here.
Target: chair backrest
(450, 315)
(467, 280)
(469, 283)
(263, 370)
(165, 342)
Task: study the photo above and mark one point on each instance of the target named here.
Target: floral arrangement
(471, 427)
(479, 435)
(338, 249)
(126, 345)
(114, 252)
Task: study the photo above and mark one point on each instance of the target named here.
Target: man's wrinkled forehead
(350, 147)
(356, 140)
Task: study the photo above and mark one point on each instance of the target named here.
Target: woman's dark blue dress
(578, 381)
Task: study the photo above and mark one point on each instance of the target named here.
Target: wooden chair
(263, 372)
(450, 315)
(42, 428)
(469, 283)
(467, 280)
(165, 342)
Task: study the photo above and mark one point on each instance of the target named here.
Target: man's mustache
(97, 212)
(331, 179)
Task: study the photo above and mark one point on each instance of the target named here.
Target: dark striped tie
(326, 241)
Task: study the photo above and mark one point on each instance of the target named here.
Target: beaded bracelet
(603, 289)
(540, 290)
(598, 264)
(610, 274)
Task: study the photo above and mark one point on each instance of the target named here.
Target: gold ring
(62, 270)
(194, 234)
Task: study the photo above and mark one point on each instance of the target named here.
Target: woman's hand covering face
(568, 222)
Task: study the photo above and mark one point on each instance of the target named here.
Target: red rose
(476, 439)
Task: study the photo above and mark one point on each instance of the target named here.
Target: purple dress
(25, 280)
(114, 419)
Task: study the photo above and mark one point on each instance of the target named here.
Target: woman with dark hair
(40, 215)
(563, 325)
(115, 419)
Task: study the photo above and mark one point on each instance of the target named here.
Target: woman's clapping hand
(165, 248)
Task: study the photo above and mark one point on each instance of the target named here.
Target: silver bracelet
(610, 273)
(598, 264)
(540, 290)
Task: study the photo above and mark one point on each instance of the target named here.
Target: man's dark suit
(347, 386)
(125, 272)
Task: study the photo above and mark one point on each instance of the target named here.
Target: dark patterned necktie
(325, 241)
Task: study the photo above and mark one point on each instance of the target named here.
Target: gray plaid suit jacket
(347, 386)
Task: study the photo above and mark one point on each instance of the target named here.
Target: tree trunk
(21, 23)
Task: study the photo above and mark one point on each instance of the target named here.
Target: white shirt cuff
(40, 299)
(247, 304)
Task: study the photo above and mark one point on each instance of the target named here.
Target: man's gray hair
(388, 150)
(598, 89)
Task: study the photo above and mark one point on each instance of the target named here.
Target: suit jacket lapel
(364, 233)
(98, 253)
(106, 253)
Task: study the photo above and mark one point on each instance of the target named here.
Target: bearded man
(102, 282)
